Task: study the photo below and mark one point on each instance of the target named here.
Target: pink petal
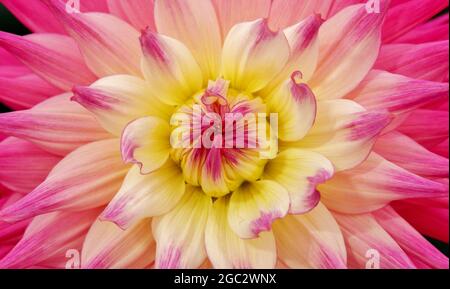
(232, 12)
(138, 13)
(86, 178)
(434, 30)
(49, 237)
(360, 190)
(57, 125)
(405, 16)
(53, 57)
(421, 252)
(366, 240)
(23, 166)
(103, 39)
(428, 61)
(406, 153)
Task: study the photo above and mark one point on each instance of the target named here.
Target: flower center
(220, 137)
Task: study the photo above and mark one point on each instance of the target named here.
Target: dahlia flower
(350, 172)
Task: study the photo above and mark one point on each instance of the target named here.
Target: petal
(169, 68)
(421, 252)
(296, 108)
(108, 247)
(428, 219)
(428, 61)
(103, 39)
(255, 206)
(138, 13)
(396, 93)
(23, 166)
(143, 196)
(406, 153)
(344, 132)
(194, 23)
(405, 16)
(34, 14)
(146, 142)
(179, 234)
(299, 172)
(232, 12)
(348, 46)
(434, 30)
(56, 125)
(248, 61)
(51, 56)
(284, 13)
(366, 240)
(226, 250)
(360, 190)
(427, 127)
(117, 100)
(304, 46)
(25, 91)
(86, 178)
(50, 236)
(313, 240)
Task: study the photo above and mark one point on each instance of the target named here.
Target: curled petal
(248, 60)
(169, 68)
(179, 234)
(108, 247)
(366, 240)
(296, 107)
(57, 125)
(117, 100)
(360, 190)
(54, 57)
(86, 178)
(313, 240)
(227, 250)
(146, 142)
(344, 42)
(143, 196)
(255, 206)
(23, 166)
(300, 171)
(49, 237)
(193, 22)
(344, 132)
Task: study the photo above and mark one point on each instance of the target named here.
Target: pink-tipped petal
(360, 190)
(108, 247)
(54, 57)
(143, 196)
(86, 178)
(179, 234)
(57, 125)
(313, 240)
(348, 46)
(227, 250)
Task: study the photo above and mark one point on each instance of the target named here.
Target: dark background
(10, 24)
